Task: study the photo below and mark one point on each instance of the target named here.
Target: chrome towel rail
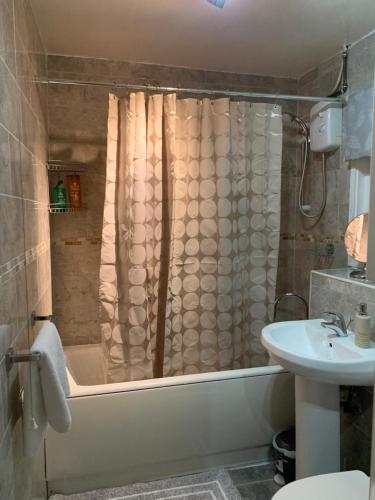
(12, 357)
(289, 295)
(34, 318)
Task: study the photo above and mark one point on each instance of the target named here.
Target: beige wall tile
(24, 225)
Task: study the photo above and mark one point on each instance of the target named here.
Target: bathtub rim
(77, 390)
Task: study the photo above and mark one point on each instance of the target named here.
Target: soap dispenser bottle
(59, 196)
(362, 327)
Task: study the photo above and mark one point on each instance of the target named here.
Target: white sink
(321, 362)
(307, 349)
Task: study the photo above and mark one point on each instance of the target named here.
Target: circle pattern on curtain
(222, 163)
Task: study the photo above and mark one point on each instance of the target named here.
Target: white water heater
(325, 126)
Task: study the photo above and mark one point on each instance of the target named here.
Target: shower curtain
(190, 234)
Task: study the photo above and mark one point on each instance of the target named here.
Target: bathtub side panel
(140, 435)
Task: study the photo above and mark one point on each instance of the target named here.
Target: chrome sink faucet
(337, 324)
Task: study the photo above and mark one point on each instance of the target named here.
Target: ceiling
(270, 37)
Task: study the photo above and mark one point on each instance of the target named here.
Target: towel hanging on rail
(46, 388)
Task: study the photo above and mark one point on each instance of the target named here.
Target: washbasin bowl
(307, 349)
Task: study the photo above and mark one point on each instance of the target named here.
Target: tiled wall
(339, 294)
(77, 132)
(24, 231)
(310, 242)
(308, 246)
(77, 120)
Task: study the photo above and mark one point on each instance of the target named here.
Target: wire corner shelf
(65, 166)
(67, 210)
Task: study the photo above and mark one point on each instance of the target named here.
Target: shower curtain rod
(156, 88)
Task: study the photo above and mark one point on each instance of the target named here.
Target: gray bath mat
(215, 485)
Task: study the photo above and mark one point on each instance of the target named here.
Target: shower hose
(301, 203)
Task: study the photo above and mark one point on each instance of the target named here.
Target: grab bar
(289, 295)
(22, 357)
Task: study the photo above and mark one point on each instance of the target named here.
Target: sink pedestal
(312, 352)
(317, 427)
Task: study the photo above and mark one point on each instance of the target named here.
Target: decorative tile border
(77, 241)
(312, 238)
(283, 236)
(15, 265)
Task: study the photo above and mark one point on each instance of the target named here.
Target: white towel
(46, 388)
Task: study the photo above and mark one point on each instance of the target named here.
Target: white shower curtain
(190, 234)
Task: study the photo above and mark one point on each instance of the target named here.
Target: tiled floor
(255, 483)
(252, 483)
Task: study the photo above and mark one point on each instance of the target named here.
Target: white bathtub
(150, 429)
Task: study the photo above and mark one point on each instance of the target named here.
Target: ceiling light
(218, 3)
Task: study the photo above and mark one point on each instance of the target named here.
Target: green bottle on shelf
(59, 196)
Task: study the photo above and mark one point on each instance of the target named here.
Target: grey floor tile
(248, 474)
(259, 490)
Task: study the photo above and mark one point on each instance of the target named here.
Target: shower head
(301, 123)
(217, 3)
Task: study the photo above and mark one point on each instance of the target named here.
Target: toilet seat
(351, 485)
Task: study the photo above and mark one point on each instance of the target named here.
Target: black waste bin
(284, 444)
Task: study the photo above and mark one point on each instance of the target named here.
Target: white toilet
(352, 485)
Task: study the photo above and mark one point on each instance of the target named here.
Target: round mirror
(356, 236)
